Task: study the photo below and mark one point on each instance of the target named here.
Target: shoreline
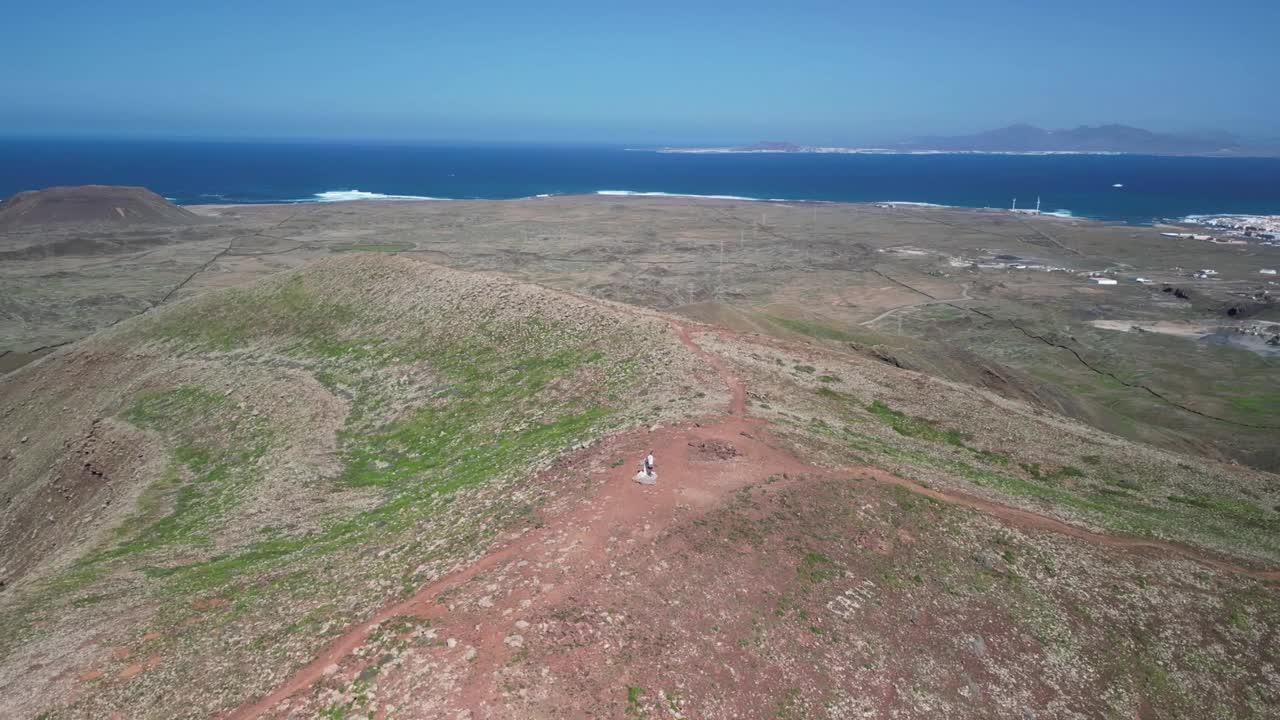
(372, 198)
(358, 196)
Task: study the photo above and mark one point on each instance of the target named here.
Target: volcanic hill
(377, 487)
(92, 205)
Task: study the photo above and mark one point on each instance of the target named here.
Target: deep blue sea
(255, 172)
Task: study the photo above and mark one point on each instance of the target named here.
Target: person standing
(648, 463)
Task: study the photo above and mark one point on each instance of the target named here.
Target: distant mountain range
(1028, 139)
(1091, 139)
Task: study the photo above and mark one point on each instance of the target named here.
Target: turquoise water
(243, 172)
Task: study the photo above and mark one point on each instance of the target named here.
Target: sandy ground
(1164, 327)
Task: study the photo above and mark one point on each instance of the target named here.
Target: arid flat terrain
(920, 284)
(374, 460)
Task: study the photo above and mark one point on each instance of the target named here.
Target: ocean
(1123, 188)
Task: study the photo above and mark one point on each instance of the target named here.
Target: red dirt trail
(619, 510)
(738, 405)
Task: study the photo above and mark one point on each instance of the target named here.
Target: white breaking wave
(912, 203)
(349, 195)
(1201, 217)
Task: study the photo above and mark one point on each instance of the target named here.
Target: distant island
(1031, 140)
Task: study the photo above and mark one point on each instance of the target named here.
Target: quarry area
(378, 460)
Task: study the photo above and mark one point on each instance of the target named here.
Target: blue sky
(651, 72)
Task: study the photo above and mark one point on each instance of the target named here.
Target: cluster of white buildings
(1210, 238)
(1263, 227)
(1240, 229)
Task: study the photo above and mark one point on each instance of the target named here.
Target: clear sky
(635, 72)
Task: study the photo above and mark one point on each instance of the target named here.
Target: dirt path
(699, 466)
(964, 295)
(737, 388)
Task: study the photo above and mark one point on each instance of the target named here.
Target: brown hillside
(90, 205)
(377, 487)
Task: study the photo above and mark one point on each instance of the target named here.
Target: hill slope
(376, 486)
(91, 205)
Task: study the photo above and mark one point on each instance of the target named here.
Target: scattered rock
(978, 646)
(713, 451)
(986, 560)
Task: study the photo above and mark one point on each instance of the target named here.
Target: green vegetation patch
(904, 424)
(1110, 502)
(215, 445)
(816, 330)
(234, 318)
(489, 401)
(1260, 404)
(635, 701)
(499, 418)
(816, 567)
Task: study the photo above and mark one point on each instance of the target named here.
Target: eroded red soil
(467, 631)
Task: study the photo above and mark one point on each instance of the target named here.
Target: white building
(1102, 281)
